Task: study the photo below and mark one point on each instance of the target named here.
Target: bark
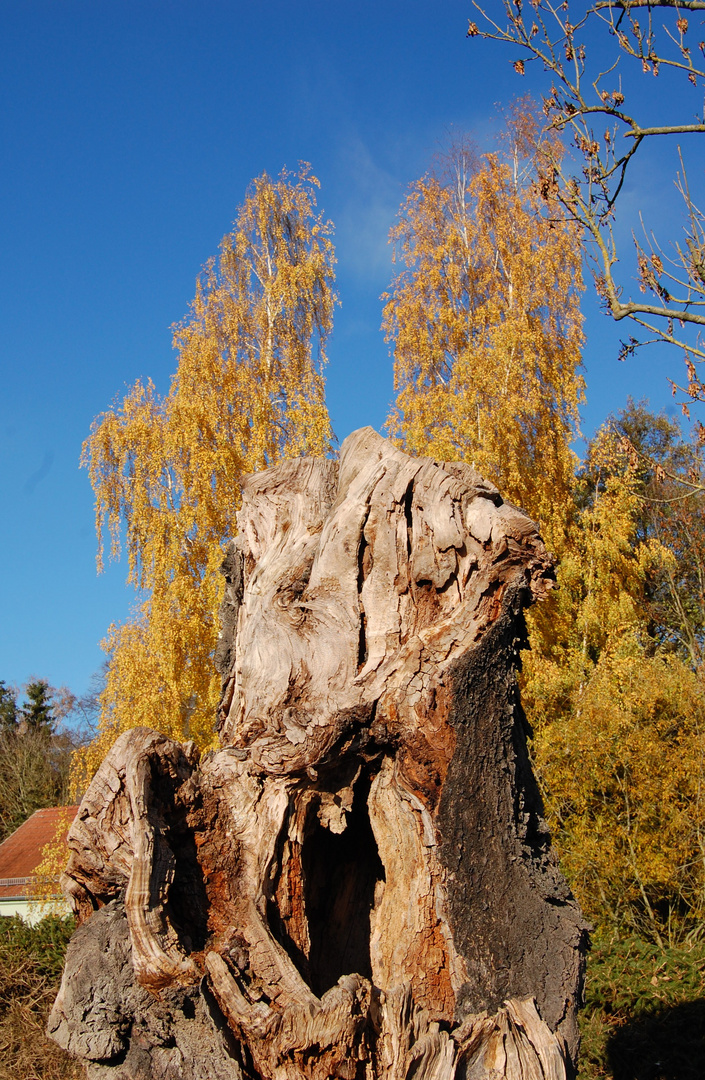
(359, 882)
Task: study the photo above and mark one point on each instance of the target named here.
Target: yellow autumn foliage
(486, 334)
(619, 724)
(485, 326)
(602, 580)
(623, 773)
(45, 885)
(248, 391)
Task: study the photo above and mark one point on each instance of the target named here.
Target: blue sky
(129, 133)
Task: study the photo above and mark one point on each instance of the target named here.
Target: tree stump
(359, 883)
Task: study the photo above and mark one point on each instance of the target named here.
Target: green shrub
(644, 1015)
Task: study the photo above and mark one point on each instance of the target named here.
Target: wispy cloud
(368, 212)
(43, 471)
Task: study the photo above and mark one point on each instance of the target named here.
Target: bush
(31, 959)
(644, 1015)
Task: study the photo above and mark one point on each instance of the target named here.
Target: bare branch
(674, 5)
(589, 196)
(674, 129)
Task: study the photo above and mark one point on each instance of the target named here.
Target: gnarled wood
(359, 882)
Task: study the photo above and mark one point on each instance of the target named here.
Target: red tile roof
(21, 852)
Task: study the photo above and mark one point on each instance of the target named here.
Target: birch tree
(167, 471)
(485, 325)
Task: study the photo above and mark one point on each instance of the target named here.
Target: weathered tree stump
(359, 883)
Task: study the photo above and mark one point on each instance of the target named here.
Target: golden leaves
(248, 391)
(618, 725)
(486, 328)
(623, 778)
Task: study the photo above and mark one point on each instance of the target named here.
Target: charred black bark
(496, 844)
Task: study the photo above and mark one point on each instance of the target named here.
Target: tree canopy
(248, 391)
(613, 689)
(485, 329)
(485, 324)
(35, 751)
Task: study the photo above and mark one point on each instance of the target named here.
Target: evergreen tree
(37, 711)
(8, 707)
(35, 754)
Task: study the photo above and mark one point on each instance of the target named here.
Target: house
(20, 855)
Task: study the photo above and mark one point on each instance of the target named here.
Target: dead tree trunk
(358, 884)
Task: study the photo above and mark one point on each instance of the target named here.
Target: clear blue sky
(129, 131)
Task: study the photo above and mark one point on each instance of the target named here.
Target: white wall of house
(32, 910)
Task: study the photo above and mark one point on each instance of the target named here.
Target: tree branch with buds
(579, 97)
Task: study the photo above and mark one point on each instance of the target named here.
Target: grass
(31, 959)
(644, 1015)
